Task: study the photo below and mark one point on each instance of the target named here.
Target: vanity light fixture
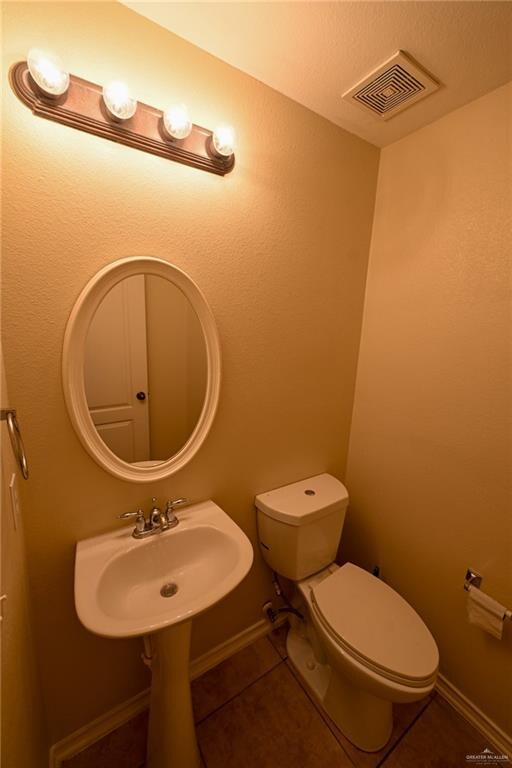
(120, 104)
(48, 73)
(224, 140)
(43, 85)
(177, 123)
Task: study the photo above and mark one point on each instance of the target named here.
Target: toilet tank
(299, 525)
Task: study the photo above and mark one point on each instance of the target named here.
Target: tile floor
(252, 712)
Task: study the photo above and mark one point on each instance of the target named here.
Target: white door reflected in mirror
(141, 368)
(145, 369)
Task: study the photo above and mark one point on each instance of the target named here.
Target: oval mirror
(141, 368)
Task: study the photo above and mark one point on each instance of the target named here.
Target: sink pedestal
(172, 737)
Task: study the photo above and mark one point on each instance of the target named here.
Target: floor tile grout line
(328, 723)
(276, 649)
(319, 710)
(279, 661)
(312, 704)
(267, 637)
(245, 688)
(405, 732)
(201, 755)
(217, 709)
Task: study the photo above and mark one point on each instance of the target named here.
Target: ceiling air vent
(392, 87)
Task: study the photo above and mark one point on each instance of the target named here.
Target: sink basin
(126, 587)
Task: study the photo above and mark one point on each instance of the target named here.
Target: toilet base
(365, 720)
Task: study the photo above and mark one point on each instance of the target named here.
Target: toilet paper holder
(473, 580)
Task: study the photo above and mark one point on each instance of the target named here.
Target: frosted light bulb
(224, 140)
(48, 72)
(177, 122)
(118, 101)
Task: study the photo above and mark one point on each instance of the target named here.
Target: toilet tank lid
(302, 502)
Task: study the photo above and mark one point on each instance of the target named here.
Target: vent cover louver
(392, 87)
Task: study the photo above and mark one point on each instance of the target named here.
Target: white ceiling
(314, 51)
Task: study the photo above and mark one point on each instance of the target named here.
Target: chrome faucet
(159, 520)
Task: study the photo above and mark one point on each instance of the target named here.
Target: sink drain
(168, 590)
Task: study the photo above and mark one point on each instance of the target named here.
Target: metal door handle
(140, 395)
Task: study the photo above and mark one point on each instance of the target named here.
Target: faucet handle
(170, 514)
(171, 503)
(140, 522)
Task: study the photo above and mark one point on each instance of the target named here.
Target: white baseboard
(496, 736)
(84, 737)
(223, 651)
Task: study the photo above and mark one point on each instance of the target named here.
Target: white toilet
(361, 646)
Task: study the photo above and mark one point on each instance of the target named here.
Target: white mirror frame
(74, 355)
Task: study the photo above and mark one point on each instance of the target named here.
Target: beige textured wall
(279, 248)
(429, 468)
(23, 733)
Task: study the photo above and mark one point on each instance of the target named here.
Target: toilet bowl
(378, 651)
(360, 646)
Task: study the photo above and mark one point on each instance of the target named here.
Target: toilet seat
(370, 622)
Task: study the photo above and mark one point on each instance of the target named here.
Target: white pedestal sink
(155, 586)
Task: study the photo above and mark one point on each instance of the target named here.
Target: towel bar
(9, 415)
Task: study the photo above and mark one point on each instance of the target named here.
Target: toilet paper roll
(486, 613)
